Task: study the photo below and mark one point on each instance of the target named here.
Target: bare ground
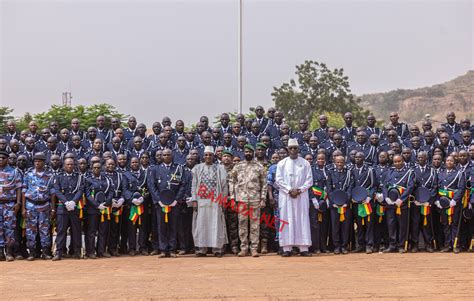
(356, 276)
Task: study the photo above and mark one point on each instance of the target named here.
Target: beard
(248, 157)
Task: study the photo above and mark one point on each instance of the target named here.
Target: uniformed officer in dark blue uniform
(364, 177)
(98, 215)
(348, 131)
(340, 178)
(399, 177)
(425, 176)
(166, 176)
(380, 223)
(117, 215)
(319, 220)
(451, 183)
(68, 188)
(135, 182)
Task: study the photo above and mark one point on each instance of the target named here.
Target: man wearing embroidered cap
(294, 178)
(248, 184)
(209, 188)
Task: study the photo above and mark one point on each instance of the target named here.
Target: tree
(317, 90)
(86, 114)
(334, 120)
(4, 117)
(22, 122)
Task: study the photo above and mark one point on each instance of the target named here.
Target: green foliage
(335, 120)
(4, 117)
(22, 122)
(316, 90)
(86, 114)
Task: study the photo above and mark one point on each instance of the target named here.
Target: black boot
(46, 254)
(10, 254)
(31, 256)
(2, 254)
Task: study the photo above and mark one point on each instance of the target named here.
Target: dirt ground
(356, 276)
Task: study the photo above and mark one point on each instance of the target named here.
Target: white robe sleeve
(308, 181)
(280, 179)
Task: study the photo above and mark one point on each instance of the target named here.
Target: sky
(179, 59)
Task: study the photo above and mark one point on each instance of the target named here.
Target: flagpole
(239, 65)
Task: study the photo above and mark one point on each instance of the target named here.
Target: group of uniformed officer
(119, 191)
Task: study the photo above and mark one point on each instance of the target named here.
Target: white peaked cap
(293, 142)
(209, 149)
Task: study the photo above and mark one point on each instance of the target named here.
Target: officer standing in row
(38, 207)
(426, 177)
(399, 182)
(68, 188)
(134, 180)
(98, 212)
(340, 179)
(10, 204)
(168, 176)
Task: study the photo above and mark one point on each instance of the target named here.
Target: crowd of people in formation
(212, 190)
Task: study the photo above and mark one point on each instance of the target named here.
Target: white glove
(114, 203)
(120, 202)
(426, 204)
(174, 203)
(70, 205)
(379, 197)
(452, 203)
(101, 206)
(398, 202)
(315, 203)
(344, 206)
(389, 201)
(417, 203)
(161, 204)
(334, 205)
(140, 200)
(437, 203)
(469, 206)
(136, 202)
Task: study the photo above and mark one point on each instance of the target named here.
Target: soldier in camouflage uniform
(248, 184)
(10, 192)
(265, 230)
(232, 222)
(36, 199)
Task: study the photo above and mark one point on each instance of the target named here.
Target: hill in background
(456, 95)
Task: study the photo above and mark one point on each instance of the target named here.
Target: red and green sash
(135, 214)
(425, 211)
(318, 191)
(364, 210)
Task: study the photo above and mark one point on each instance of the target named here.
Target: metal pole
(240, 58)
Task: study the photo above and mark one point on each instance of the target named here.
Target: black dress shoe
(57, 257)
(429, 249)
(306, 254)
(344, 251)
(359, 249)
(219, 254)
(401, 250)
(337, 251)
(369, 250)
(445, 250)
(456, 250)
(286, 254)
(414, 250)
(199, 254)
